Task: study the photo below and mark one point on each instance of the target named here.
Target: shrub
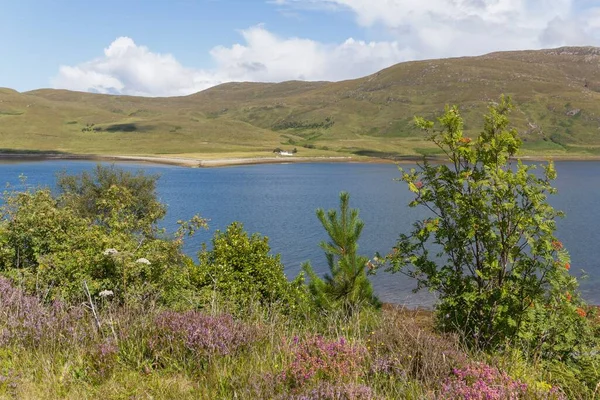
(332, 391)
(52, 248)
(316, 358)
(480, 381)
(101, 359)
(111, 193)
(26, 322)
(488, 248)
(240, 270)
(199, 334)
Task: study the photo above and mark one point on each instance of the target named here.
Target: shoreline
(238, 161)
(188, 162)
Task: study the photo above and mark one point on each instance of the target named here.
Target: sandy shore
(179, 161)
(223, 162)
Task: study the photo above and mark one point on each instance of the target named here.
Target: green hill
(556, 93)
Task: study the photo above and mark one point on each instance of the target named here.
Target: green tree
(488, 249)
(113, 197)
(347, 284)
(240, 270)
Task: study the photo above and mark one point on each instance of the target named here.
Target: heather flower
(332, 391)
(479, 381)
(102, 358)
(200, 333)
(25, 320)
(319, 358)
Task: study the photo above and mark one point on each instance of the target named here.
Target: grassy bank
(54, 351)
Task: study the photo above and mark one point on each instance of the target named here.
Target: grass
(50, 351)
(367, 115)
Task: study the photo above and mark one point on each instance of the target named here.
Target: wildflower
(568, 295)
(106, 293)
(110, 252)
(481, 381)
(567, 266)
(201, 334)
(557, 245)
(316, 356)
(419, 184)
(143, 261)
(465, 140)
(581, 312)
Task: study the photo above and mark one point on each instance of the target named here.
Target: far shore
(233, 161)
(193, 162)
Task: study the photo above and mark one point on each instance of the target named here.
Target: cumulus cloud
(267, 57)
(128, 68)
(416, 29)
(442, 28)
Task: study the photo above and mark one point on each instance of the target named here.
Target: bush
(480, 381)
(332, 391)
(52, 247)
(240, 270)
(112, 196)
(199, 335)
(488, 248)
(24, 321)
(318, 359)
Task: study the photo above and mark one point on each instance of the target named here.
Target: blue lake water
(279, 201)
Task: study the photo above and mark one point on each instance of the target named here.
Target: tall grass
(51, 350)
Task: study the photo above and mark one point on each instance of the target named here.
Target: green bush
(488, 248)
(240, 270)
(51, 245)
(110, 195)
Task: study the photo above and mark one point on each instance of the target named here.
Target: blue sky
(177, 47)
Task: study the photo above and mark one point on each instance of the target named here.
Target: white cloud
(417, 29)
(127, 68)
(442, 28)
(266, 57)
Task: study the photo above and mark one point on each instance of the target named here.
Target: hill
(556, 93)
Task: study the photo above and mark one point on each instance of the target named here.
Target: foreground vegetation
(556, 95)
(97, 302)
(52, 351)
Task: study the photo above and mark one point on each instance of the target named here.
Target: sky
(179, 47)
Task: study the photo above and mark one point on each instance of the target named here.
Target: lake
(279, 201)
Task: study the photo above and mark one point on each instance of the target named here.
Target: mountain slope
(556, 93)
